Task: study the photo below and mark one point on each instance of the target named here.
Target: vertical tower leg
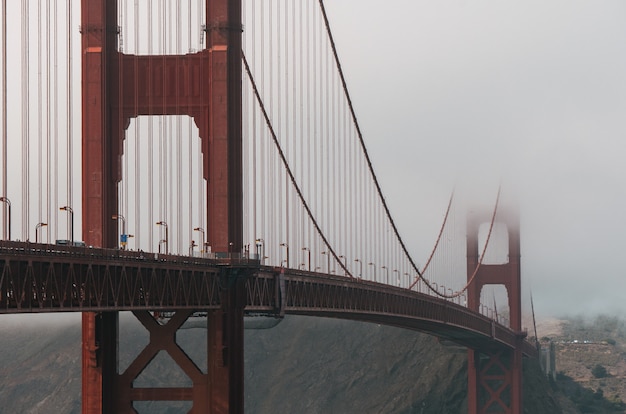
(494, 382)
(225, 353)
(218, 116)
(99, 338)
(495, 379)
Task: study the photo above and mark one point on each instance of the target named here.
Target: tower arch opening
(162, 182)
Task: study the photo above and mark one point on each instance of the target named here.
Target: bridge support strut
(216, 389)
(207, 87)
(495, 379)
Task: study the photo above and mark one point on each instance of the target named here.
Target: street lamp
(165, 240)
(260, 249)
(397, 277)
(191, 246)
(71, 213)
(306, 249)
(360, 267)
(327, 254)
(37, 227)
(8, 223)
(201, 231)
(408, 279)
(123, 236)
(345, 265)
(286, 246)
(387, 272)
(373, 264)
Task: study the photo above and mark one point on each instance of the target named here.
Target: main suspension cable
(361, 140)
(288, 169)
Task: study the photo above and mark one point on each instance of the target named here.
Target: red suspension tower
(206, 86)
(495, 379)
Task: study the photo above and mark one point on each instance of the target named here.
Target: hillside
(591, 362)
(303, 365)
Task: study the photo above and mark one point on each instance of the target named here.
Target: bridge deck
(50, 278)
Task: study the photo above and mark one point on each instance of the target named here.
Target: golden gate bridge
(223, 171)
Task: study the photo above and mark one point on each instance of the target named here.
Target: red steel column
(99, 335)
(223, 165)
(509, 275)
(218, 116)
(223, 170)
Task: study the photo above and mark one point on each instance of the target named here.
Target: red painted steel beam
(214, 74)
(45, 278)
(224, 161)
(509, 275)
(99, 334)
(159, 85)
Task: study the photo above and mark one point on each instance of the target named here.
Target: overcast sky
(531, 94)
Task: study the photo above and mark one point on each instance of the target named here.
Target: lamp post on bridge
(345, 268)
(37, 228)
(71, 213)
(260, 249)
(123, 236)
(165, 240)
(201, 231)
(397, 277)
(327, 254)
(286, 246)
(374, 266)
(387, 272)
(306, 249)
(7, 224)
(360, 267)
(191, 246)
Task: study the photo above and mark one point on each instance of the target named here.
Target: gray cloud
(532, 94)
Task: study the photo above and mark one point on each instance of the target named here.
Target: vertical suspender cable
(324, 140)
(265, 211)
(137, 178)
(179, 134)
(25, 118)
(4, 189)
(121, 187)
(39, 139)
(123, 199)
(70, 118)
(313, 131)
(192, 140)
(275, 216)
(48, 110)
(303, 104)
(279, 180)
(54, 202)
(294, 132)
(160, 32)
(201, 13)
(255, 229)
(150, 133)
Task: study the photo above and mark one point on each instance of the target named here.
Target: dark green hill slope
(303, 365)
